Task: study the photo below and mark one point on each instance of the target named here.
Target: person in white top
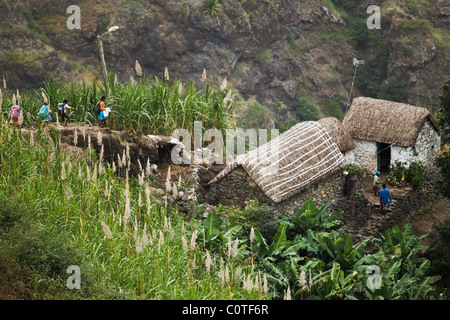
(62, 107)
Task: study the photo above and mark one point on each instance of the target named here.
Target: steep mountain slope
(271, 51)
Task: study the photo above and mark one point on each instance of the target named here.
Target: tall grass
(138, 248)
(153, 107)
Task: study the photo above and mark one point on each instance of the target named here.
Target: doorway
(383, 156)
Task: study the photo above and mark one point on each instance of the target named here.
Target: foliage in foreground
(321, 261)
(136, 247)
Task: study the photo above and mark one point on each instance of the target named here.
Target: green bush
(414, 174)
(34, 258)
(439, 253)
(254, 215)
(307, 110)
(334, 107)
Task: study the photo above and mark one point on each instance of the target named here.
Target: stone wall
(238, 187)
(365, 153)
(425, 150)
(235, 189)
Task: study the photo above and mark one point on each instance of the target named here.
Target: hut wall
(329, 190)
(365, 153)
(237, 187)
(424, 150)
(349, 156)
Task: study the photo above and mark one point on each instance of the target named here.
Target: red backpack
(14, 112)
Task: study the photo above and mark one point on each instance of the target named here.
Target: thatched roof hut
(386, 121)
(294, 160)
(339, 135)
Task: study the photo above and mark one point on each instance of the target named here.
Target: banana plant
(214, 238)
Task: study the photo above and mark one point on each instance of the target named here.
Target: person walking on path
(44, 113)
(385, 199)
(62, 108)
(15, 113)
(101, 112)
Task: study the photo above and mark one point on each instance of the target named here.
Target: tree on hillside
(443, 162)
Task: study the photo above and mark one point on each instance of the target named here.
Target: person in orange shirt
(101, 115)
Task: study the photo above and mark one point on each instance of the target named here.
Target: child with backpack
(15, 113)
(62, 107)
(45, 111)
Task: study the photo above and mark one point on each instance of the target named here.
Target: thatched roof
(386, 121)
(286, 165)
(337, 132)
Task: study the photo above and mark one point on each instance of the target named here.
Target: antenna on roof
(356, 64)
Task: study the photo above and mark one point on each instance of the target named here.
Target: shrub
(414, 174)
(254, 215)
(211, 7)
(439, 253)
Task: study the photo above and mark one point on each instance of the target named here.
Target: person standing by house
(62, 108)
(385, 199)
(101, 112)
(376, 183)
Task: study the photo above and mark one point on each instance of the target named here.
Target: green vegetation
(320, 261)
(334, 107)
(251, 114)
(211, 6)
(414, 174)
(307, 110)
(443, 162)
(135, 247)
(132, 246)
(154, 107)
(439, 253)
(264, 57)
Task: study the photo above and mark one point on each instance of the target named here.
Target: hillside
(271, 52)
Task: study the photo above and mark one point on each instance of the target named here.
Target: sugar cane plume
(18, 96)
(106, 230)
(224, 84)
(252, 235)
(138, 69)
(204, 75)
(166, 74)
(302, 279)
(14, 101)
(208, 262)
(44, 97)
(99, 138)
(168, 186)
(4, 83)
(193, 238)
(265, 285)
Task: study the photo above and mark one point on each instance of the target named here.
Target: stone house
(306, 162)
(386, 131)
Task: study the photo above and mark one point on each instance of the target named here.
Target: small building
(303, 163)
(386, 131)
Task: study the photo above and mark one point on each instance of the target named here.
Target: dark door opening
(383, 156)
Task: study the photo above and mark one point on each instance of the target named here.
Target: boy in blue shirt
(385, 198)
